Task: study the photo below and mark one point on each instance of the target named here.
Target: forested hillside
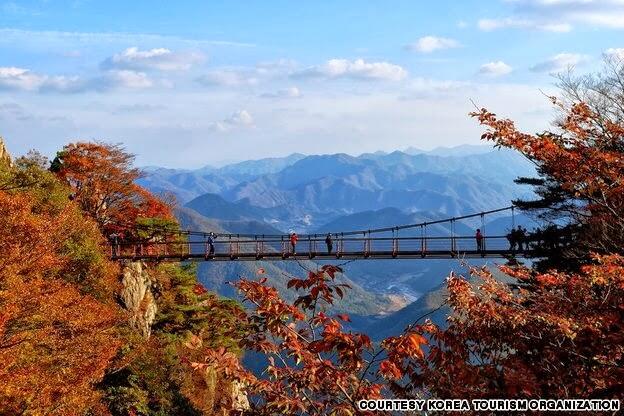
(80, 334)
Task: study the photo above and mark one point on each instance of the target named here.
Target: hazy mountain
(213, 206)
(189, 184)
(280, 217)
(297, 180)
(192, 220)
(461, 150)
(186, 185)
(390, 217)
(252, 168)
(326, 186)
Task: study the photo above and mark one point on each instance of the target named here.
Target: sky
(192, 83)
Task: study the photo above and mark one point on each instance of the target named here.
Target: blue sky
(190, 83)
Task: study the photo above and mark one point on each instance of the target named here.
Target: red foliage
(585, 157)
(315, 367)
(103, 181)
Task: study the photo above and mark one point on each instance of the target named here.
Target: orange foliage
(585, 157)
(55, 342)
(559, 336)
(103, 181)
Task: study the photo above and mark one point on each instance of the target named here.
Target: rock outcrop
(5, 157)
(138, 297)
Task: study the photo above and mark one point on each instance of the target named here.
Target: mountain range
(303, 193)
(340, 192)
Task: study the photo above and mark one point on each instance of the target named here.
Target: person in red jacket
(293, 242)
(479, 238)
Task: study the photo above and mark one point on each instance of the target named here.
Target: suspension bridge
(438, 239)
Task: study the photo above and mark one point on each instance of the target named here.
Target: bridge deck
(323, 256)
(315, 248)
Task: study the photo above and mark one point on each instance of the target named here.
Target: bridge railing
(311, 247)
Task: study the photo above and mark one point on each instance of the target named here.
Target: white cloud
(21, 79)
(495, 68)
(515, 23)
(238, 119)
(248, 76)
(126, 79)
(428, 44)
(617, 53)
(559, 15)
(13, 78)
(161, 59)
(291, 92)
(276, 68)
(559, 63)
(357, 69)
(228, 78)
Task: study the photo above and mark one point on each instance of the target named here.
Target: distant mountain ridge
(304, 192)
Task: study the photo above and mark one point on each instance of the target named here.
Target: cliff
(5, 157)
(138, 297)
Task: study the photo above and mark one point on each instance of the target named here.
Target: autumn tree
(550, 334)
(103, 181)
(65, 343)
(579, 163)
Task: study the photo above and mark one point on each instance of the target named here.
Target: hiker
(512, 236)
(210, 244)
(520, 238)
(293, 242)
(329, 242)
(479, 238)
(525, 238)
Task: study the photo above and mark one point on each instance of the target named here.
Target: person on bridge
(210, 244)
(479, 238)
(329, 242)
(512, 237)
(521, 238)
(293, 242)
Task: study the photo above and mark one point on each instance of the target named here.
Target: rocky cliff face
(138, 297)
(5, 157)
